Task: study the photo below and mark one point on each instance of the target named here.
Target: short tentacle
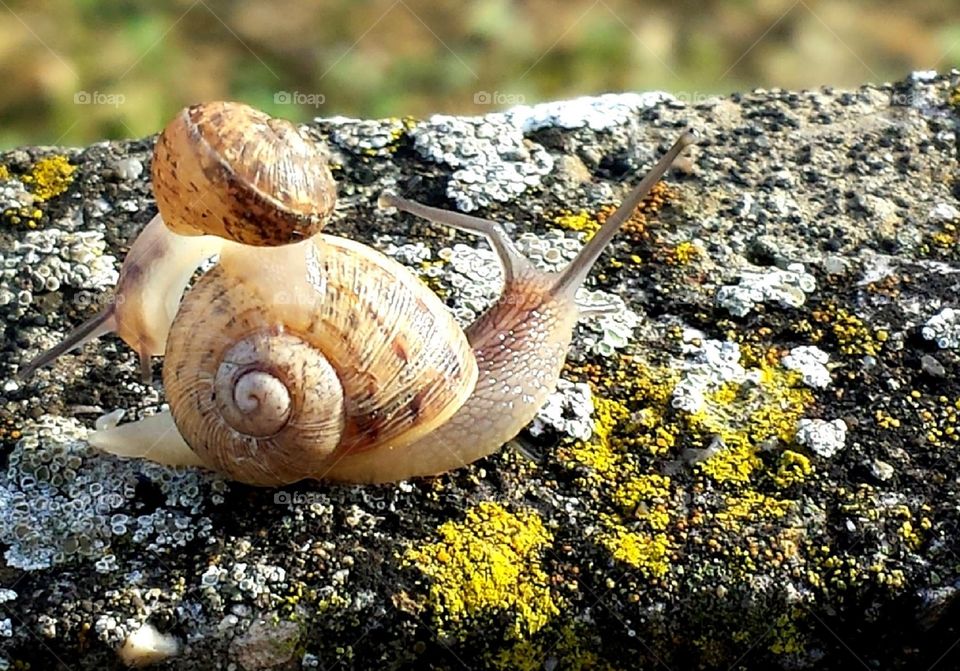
(513, 262)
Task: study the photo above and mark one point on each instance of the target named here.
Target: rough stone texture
(772, 477)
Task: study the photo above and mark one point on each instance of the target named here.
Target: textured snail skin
(519, 345)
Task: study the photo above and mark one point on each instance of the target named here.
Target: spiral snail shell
(305, 355)
(229, 170)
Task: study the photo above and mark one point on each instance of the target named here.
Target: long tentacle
(573, 275)
(98, 325)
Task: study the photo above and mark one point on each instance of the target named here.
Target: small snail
(305, 355)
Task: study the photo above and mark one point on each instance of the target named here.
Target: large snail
(305, 355)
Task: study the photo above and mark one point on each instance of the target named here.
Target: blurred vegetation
(76, 71)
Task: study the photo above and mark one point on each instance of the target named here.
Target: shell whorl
(227, 169)
(266, 407)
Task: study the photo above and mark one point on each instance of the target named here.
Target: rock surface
(753, 463)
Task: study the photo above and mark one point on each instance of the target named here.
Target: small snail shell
(229, 170)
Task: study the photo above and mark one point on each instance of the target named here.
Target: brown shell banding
(403, 367)
(229, 170)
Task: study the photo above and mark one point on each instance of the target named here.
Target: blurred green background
(77, 71)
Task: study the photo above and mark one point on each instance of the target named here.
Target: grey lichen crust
(751, 461)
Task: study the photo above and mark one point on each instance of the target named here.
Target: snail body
(305, 355)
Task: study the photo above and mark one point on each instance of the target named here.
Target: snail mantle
(750, 452)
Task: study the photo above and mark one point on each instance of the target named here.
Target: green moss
(488, 563)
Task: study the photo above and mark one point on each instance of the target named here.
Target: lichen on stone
(492, 162)
(64, 503)
(943, 328)
(488, 563)
(824, 438)
(787, 287)
(371, 138)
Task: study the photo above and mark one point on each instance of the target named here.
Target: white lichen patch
(51, 258)
(491, 160)
(944, 328)
(708, 365)
(366, 137)
(14, 195)
(811, 363)
(787, 287)
(943, 213)
(243, 580)
(823, 438)
(595, 112)
(62, 501)
(568, 410)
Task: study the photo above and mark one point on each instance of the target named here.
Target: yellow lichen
(489, 563)
(643, 496)
(741, 416)
(578, 221)
(735, 462)
(647, 552)
(682, 253)
(428, 274)
(886, 420)
(633, 532)
(572, 646)
(4, 173)
(853, 336)
(751, 507)
(787, 639)
(942, 421)
(792, 469)
(50, 177)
